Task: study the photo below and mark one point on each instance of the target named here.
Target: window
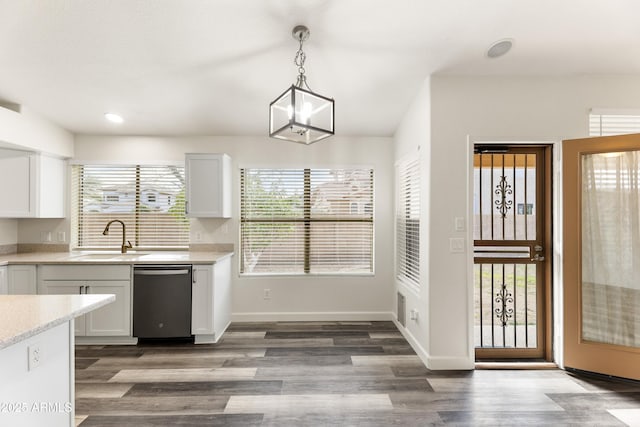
(154, 217)
(306, 221)
(408, 224)
(612, 122)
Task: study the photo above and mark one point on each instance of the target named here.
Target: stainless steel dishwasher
(162, 301)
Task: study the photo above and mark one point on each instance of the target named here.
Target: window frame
(307, 220)
(133, 233)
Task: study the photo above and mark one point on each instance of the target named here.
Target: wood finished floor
(327, 374)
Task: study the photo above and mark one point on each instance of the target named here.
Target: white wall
(29, 230)
(482, 108)
(27, 130)
(8, 231)
(30, 131)
(413, 138)
(301, 298)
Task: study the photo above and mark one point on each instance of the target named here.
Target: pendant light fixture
(299, 114)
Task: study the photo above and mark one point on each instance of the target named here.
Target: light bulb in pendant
(305, 113)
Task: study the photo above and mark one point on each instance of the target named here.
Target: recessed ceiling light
(113, 117)
(499, 48)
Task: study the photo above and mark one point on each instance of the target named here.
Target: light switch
(459, 223)
(456, 245)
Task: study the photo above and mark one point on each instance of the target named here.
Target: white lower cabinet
(4, 286)
(112, 320)
(21, 279)
(211, 300)
(202, 300)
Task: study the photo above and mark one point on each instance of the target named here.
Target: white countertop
(112, 257)
(23, 316)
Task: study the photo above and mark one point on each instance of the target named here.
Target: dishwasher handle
(160, 272)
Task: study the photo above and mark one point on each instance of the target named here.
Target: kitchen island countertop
(23, 316)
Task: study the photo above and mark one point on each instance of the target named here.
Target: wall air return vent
(402, 311)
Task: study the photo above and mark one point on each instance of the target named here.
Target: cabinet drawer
(85, 272)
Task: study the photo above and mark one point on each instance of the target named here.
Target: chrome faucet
(124, 246)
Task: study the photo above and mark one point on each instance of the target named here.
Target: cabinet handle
(193, 278)
(82, 290)
(186, 207)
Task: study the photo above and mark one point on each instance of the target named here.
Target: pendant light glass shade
(298, 114)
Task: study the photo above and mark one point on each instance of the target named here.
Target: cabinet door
(22, 279)
(202, 300)
(208, 189)
(17, 184)
(71, 287)
(112, 319)
(50, 195)
(4, 287)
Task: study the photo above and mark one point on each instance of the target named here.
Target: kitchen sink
(109, 255)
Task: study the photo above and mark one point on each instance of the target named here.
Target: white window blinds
(148, 199)
(408, 224)
(613, 123)
(297, 221)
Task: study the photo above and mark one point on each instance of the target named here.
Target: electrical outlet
(35, 356)
(413, 314)
(62, 236)
(267, 294)
(198, 236)
(45, 236)
(459, 224)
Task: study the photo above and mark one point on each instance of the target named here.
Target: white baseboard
(438, 363)
(313, 317)
(435, 363)
(204, 339)
(420, 351)
(106, 340)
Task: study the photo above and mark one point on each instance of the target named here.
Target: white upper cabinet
(32, 185)
(208, 191)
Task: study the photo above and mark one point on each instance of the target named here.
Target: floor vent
(402, 315)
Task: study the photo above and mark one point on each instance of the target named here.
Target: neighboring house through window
(306, 221)
(148, 199)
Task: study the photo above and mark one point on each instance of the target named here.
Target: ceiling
(211, 67)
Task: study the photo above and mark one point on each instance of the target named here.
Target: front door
(601, 247)
(512, 252)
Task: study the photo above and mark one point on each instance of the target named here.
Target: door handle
(537, 257)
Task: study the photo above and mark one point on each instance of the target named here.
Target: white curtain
(611, 248)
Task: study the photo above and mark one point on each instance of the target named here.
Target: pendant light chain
(299, 61)
(299, 114)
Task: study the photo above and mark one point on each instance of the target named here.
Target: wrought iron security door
(511, 240)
